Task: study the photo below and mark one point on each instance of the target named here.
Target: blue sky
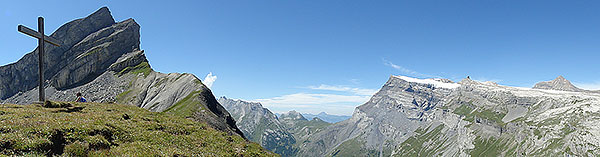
(314, 56)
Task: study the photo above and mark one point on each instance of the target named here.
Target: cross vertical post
(42, 38)
(42, 95)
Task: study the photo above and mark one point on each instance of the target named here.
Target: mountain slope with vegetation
(437, 117)
(79, 129)
(301, 127)
(102, 59)
(282, 135)
(261, 126)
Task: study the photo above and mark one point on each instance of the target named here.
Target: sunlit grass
(111, 129)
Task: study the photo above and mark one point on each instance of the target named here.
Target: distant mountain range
(438, 117)
(323, 116)
(326, 117)
(102, 59)
(282, 134)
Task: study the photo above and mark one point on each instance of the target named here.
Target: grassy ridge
(81, 129)
(471, 113)
(143, 67)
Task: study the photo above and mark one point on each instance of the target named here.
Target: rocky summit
(560, 83)
(430, 117)
(102, 59)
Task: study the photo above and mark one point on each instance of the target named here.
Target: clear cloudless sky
(313, 56)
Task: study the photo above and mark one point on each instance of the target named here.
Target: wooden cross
(42, 38)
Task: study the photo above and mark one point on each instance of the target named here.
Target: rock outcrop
(23, 75)
(102, 60)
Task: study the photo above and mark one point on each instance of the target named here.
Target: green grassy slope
(79, 129)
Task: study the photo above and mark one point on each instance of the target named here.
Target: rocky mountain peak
(102, 12)
(75, 36)
(561, 78)
(467, 81)
(292, 115)
(560, 83)
(102, 60)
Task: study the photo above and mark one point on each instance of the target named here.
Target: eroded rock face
(410, 117)
(100, 50)
(397, 109)
(102, 60)
(23, 75)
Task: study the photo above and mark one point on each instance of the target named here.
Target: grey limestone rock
(421, 117)
(23, 74)
(102, 60)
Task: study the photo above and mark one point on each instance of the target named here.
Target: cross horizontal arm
(36, 34)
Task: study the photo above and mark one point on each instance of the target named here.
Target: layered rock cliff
(102, 60)
(23, 75)
(431, 117)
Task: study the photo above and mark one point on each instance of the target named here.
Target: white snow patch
(433, 82)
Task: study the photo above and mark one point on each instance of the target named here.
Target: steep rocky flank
(102, 60)
(560, 83)
(428, 117)
(261, 126)
(398, 108)
(23, 75)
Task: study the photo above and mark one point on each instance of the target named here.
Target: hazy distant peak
(559, 83)
(326, 117)
(292, 115)
(322, 114)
